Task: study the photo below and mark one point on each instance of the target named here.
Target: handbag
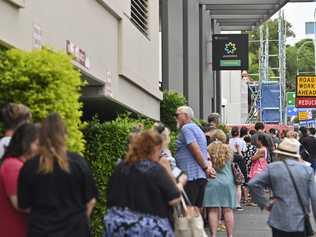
(308, 229)
(238, 175)
(188, 221)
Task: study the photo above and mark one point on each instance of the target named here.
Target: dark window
(139, 15)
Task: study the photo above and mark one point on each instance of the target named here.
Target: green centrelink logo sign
(230, 48)
(230, 52)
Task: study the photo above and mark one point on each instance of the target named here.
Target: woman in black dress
(56, 186)
(141, 192)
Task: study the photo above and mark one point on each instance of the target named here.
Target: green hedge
(45, 81)
(106, 143)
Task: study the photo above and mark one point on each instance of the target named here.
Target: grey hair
(187, 110)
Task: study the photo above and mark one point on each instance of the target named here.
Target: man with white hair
(213, 119)
(192, 155)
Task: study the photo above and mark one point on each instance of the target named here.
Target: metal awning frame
(236, 15)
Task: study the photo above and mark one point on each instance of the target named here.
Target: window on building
(309, 28)
(139, 15)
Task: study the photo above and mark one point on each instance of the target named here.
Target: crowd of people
(45, 190)
(207, 168)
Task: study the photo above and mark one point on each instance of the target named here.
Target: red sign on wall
(306, 102)
(79, 54)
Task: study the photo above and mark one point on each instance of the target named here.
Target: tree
(291, 67)
(45, 81)
(254, 37)
(305, 56)
(299, 59)
(253, 66)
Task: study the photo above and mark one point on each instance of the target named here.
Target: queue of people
(205, 162)
(46, 190)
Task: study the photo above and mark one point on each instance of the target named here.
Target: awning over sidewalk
(236, 15)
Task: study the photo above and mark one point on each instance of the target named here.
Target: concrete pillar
(191, 54)
(171, 15)
(217, 78)
(206, 73)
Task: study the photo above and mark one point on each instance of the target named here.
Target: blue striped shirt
(185, 160)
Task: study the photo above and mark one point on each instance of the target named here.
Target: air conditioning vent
(139, 15)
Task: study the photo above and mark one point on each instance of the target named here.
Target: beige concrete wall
(117, 50)
(235, 91)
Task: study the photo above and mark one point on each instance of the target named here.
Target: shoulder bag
(188, 221)
(304, 153)
(238, 175)
(307, 224)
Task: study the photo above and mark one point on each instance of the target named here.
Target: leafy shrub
(171, 101)
(45, 81)
(224, 128)
(106, 144)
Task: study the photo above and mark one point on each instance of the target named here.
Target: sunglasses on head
(160, 128)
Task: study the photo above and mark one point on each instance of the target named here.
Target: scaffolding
(256, 111)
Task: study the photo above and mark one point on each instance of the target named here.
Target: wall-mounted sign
(306, 91)
(230, 52)
(79, 54)
(108, 84)
(37, 37)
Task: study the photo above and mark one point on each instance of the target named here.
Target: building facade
(187, 30)
(115, 44)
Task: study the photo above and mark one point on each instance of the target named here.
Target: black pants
(280, 233)
(195, 191)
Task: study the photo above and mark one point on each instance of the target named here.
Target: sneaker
(239, 209)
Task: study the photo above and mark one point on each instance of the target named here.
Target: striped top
(189, 134)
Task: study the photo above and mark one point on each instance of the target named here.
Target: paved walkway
(250, 223)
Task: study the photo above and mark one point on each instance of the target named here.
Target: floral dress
(138, 197)
(247, 154)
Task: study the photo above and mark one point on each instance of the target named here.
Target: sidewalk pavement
(249, 223)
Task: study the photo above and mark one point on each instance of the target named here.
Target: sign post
(306, 91)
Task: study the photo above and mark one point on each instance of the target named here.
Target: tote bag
(188, 221)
